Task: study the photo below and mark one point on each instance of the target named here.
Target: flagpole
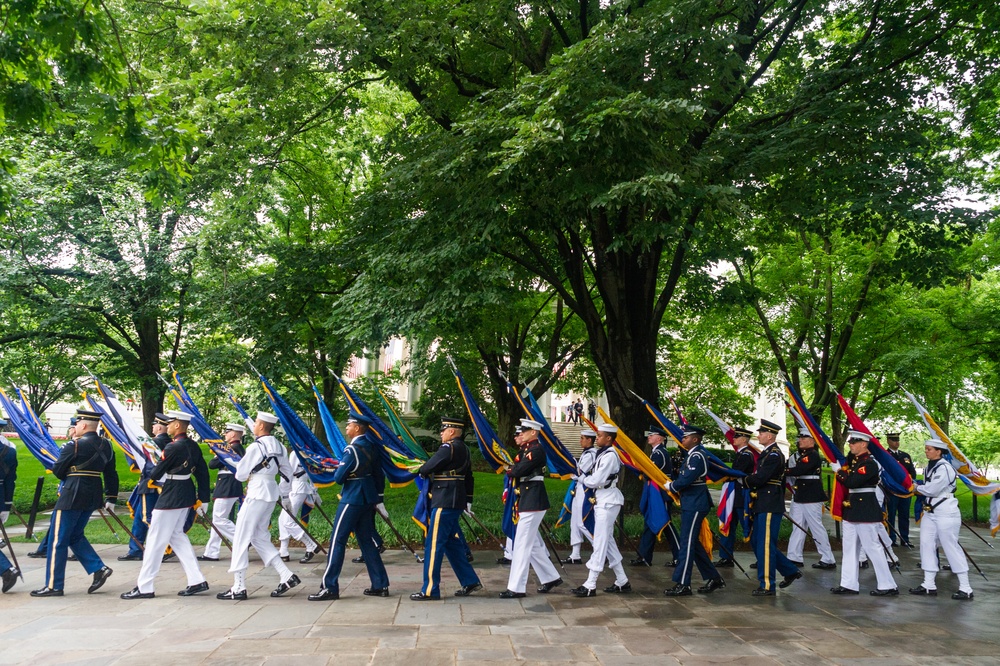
(108, 523)
(969, 557)
(211, 525)
(547, 537)
(128, 531)
(399, 537)
(730, 553)
(301, 526)
(977, 534)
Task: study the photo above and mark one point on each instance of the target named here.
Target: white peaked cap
(529, 424)
(857, 434)
(238, 427)
(178, 415)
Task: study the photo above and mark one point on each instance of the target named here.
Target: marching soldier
(532, 503)
(228, 490)
(608, 501)
(767, 486)
(695, 504)
(861, 517)
(580, 507)
(297, 489)
(145, 496)
(655, 437)
(449, 472)
(264, 459)
(8, 477)
(181, 461)
(898, 508)
(940, 523)
(81, 466)
(360, 472)
(744, 463)
(807, 503)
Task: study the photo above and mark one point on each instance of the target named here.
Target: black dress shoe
(131, 558)
(619, 589)
(503, 561)
(671, 563)
(639, 562)
(678, 590)
(922, 591)
(572, 560)
(891, 592)
(292, 581)
(798, 564)
(761, 592)
(134, 593)
(285, 558)
(788, 580)
(864, 565)
(753, 565)
(825, 565)
(229, 595)
(9, 577)
(206, 558)
(46, 592)
(72, 558)
(169, 557)
(469, 557)
(584, 592)
(545, 588)
(100, 576)
(37, 555)
(192, 590)
(420, 596)
(324, 595)
(712, 586)
(307, 558)
(376, 592)
(507, 594)
(945, 567)
(840, 589)
(725, 563)
(962, 596)
(466, 590)
(360, 559)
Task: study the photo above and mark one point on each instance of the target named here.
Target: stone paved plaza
(803, 625)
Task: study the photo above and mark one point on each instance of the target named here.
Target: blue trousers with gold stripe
(443, 539)
(360, 519)
(140, 523)
(65, 532)
(765, 546)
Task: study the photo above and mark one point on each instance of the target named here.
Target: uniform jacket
(299, 482)
(182, 457)
(226, 484)
(661, 458)
(8, 473)
(143, 487)
(585, 463)
(803, 466)
(860, 476)
(767, 483)
(937, 490)
(162, 440)
(360, 472)
(604, 478)
(80, 467)
(690, 482)
(905, 460)
(450, 474)
(265, 458)
(528, 474)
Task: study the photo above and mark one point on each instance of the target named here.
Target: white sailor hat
(857, 434)
(266, 417)
(529, 424)
(235, 426)
(936, 443)
(607, 427)
(588, 433)
(179, 415)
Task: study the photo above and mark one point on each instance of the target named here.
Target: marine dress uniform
(660, 457)
(181, 467)
(8, 477)
(807, 506)
(80, 467)
(227, 492)
(144, 499)
(451, 486)
(580, 506)
(528, 473)
(360, 473)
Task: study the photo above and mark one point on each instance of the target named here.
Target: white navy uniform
(577, 531)
(298, 489)
(608, 503)
(940, 523)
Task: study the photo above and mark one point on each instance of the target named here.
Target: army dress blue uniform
(81, 466)
(727, 542)
(690, 484)
(143, 501)
(360, 473)
(661, 458)
(8, 477)
(767, 486)
(449, 472)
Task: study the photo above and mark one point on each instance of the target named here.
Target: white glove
(835, 467)
(109, 507)
(382, 511)
(666, 486)
(574, 477)
(4, 515)
(468, 510)
(317, 500)
(201, 510)
(286, 503)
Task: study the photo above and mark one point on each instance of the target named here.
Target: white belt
(808, 476)
(863, 490)
(525, 479)
(178, 477)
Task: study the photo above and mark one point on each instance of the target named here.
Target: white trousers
(809, 516)
(529, 549)
(166, 527)
(508, 548)
(941, 528)
(605, 547)
(577, 532)
(220, 518)
(252, 530)
(288, 529)
(883, 535)
(860, 537)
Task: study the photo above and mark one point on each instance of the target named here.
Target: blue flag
(334, 437)
(560, 461)
(35, 436)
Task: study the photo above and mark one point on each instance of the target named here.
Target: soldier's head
(357, 425)
(655, 435)
(741, 438)
(858, 442)
(606, 435)
(692, 436)
(892, 439)
(805, 440)
(160, 423)
(529, 430)
(179, 422)
(264, 424)
(767, 432)
(452, 429)
(587, 438)
(233, 434)
(934, 449)
(517, 434)
(86, 421)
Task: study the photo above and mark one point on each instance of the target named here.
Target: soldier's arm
(111, 478)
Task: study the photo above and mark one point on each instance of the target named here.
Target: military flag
(334, 437)
(561, 462)
(895, 478)
(209, 437)
(34, 435)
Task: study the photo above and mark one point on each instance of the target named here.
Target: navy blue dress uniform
(144, 499)
(692, 488)
(767, 492)
(661, 458)
(81, 466)
(744, 462)
(8, 477)
(898, 508)
(360, 473)
(451, 486)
